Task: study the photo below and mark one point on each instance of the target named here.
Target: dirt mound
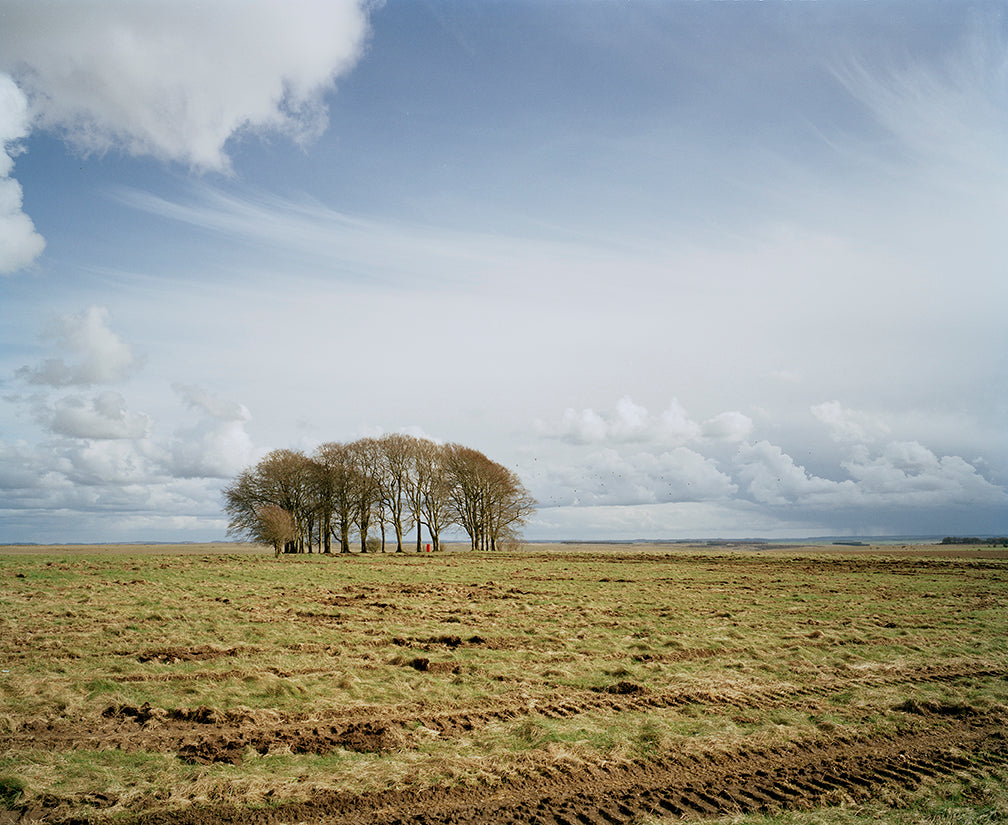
(174, 655)
(925, 708)
(626, 689)
(229, 745)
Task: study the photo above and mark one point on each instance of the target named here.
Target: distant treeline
(994, 541)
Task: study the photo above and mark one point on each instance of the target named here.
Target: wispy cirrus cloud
(948, 116)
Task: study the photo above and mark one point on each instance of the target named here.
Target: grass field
(563, 684)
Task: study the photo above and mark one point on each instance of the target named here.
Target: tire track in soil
(205, 735)
(627, 697)
(802, 775)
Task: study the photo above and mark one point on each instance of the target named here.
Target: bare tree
(281, 479)
(434, 488)
(242, 499)
(488, 500)
(509, 507)
(468, 472)
(415, 482)
(396, 452)
(276, 526)
(286, 475)
(364, 458)
(338, 484)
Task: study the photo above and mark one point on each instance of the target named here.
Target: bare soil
(931, 740)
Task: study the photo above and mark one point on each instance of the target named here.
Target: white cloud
(631, 422)
(20, 244)
(909, 473)
(628, 422)
(174, 79)
(770, 476)
(74, 490)
(609, 477)
(849, 425)
(103, 416)
(675, 426)
(177, 79)
(98, 457)
(584, 427)
(102, 357)
(108, 466)
(727, 426)
(950, 114)
(905, 478)
(217, 445)
(211, 404)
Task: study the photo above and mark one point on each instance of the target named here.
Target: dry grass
(735, 632)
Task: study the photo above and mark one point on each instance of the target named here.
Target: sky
(691, 269)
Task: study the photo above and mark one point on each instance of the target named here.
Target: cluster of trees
(295, 501)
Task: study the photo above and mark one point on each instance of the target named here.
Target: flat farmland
(557, 684)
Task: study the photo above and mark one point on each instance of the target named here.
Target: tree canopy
(295, 501)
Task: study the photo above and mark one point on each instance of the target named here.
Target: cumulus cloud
(627, 457)
(211, 404)
(177, 80)
(631, 422)
(609, 477)
(727, 426)
(849, 425)
(909, 472)
(770, 476)
(97, 457)
(103, 416)
(216, 445)
(905, 476)
(109, 490)
(116, 470)
(584, 427)
(675, 425)
(100, 356)
(174, 79)
(20, 244)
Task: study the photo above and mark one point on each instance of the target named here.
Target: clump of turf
(11, 790)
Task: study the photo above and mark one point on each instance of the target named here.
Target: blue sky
(691, 269)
